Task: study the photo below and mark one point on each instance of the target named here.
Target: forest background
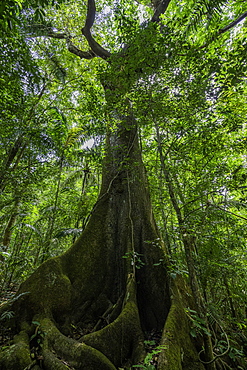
(191, 115)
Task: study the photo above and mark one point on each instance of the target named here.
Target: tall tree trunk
(112, 284)
(6, 239)
(13, 158)
(52, 219)
(190, 253)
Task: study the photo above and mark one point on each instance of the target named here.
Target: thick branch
(81, 54)
(71, 47)
(91, 10)
(161, 8)
(49, 32)
(95, 46)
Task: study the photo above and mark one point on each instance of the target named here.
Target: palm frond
(75, 134)
(68, 232)
(33, 228)
(72, 178)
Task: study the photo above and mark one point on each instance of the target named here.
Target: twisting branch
(81, 54)
(71, 47)
(91, 11)
(96, 48)
(43, 30)
(225, 210)
(160, 9)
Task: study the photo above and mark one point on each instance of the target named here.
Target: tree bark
(112, 285)
(14, 156)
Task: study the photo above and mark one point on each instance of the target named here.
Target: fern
(7, 315)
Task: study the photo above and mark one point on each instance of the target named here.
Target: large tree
(113, 285)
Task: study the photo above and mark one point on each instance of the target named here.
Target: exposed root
(125, 330)
(17, 356)
(73, 353)
(178, 352)
(51, 362)
(105, 349)
(117, 344)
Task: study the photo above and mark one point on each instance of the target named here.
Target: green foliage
(11, 9)
(151, 358)
(205, 10)
(6, 315)
(199, 326)
(37, 338)
(186, 84)
(135, 259)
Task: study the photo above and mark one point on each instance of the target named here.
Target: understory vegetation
(123, 185)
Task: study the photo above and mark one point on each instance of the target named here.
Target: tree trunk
(111, 286)
(14, 156)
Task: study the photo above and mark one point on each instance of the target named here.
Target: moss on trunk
(178, 353)
(112, 284)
